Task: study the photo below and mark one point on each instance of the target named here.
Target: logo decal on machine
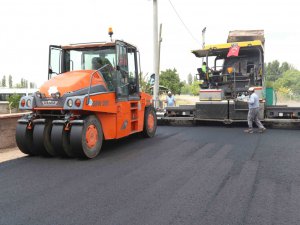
(52, 90)
(49, 102)
(98, 103)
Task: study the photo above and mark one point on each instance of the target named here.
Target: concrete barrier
(8, 123)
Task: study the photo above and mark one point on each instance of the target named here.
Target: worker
(253, 103)
(170, 100)
(97, 63)
(204, 69)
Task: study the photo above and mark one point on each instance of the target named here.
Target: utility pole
(155, 54)
(159, 46)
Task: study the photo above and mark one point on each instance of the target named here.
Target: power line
(185, 26)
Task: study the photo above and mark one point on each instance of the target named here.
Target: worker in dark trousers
(253, 112)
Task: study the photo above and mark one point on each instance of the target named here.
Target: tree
(14, 101)
(32, 85)
(144, 83)
(274, 70)
(19, 85)
(190, 79)
(195, 87)
(170, 79)
(285, 67)
(10, 82)
(186, 88)
(290, 80)
(22, 83)
(4, 81)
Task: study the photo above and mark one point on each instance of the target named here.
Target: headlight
(38, 94)
(23, 102)
(57, 95)
(74, 103)
(70, 102)
(77, 102)
(28, 103)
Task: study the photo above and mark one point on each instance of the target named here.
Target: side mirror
(50, 71)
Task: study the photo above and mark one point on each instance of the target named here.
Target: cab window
(55, 55)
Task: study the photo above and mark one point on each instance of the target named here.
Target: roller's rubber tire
(86, 139)
(47, 139)
(41, 138)
(150, 122)
(60, 140)
(24, 139)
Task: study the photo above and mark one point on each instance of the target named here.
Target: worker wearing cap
(253, 112)
(170, 100)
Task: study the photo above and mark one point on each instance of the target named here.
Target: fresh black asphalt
(184, 175)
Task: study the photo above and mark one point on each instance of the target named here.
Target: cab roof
(217, 49)
(94, 45)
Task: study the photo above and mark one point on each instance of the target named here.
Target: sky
(28, 27)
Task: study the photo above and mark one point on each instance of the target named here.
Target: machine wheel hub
(91, 136)
(150, 121)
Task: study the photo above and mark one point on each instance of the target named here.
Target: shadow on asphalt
(109, 148)
(287, 125)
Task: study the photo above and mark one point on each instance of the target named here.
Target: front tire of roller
(60, 140)
(41, 138)
(150, 122)
(24, 139)
(86, 139)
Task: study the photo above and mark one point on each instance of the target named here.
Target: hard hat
(169, 92)
(251, 89)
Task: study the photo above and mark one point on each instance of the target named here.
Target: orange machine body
(118, 118)
(92, 94)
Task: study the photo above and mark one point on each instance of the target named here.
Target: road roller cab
(92, 94)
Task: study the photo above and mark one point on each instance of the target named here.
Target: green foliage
(171, 80)
(18, 86)
(14, 101)
(192, 89)
(24, 84)
(285, 67)
(290, 81)
(144, 83)
(273, 70)
(195, 87)
(186, 89)
(269, 84)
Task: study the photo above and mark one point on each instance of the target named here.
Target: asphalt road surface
(184, 175)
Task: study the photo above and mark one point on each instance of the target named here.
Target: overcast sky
(28, 27)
